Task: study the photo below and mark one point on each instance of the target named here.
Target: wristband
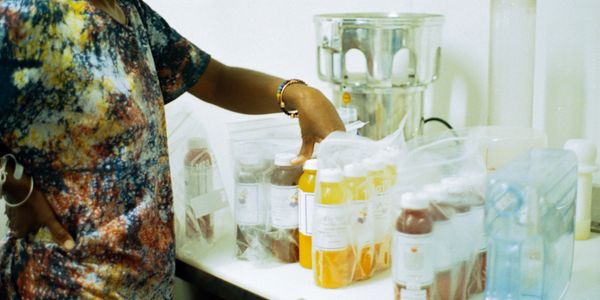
(18, 174)
(280, 90)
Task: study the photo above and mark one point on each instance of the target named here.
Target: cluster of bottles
(439, 245)
(351, 230)
(266, 208)
(198, 173)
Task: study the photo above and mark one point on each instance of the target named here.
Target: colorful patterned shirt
(82, 107)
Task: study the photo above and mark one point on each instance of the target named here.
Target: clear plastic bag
(202, 213)
(439, 247)
(266, 194)
(351, 229)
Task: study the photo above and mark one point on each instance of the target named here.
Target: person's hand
(318, 118)
(33, 214)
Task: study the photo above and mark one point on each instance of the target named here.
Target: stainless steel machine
(400, 56)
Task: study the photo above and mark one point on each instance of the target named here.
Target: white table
(291, 281)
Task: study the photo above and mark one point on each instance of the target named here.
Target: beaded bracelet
(280, 90)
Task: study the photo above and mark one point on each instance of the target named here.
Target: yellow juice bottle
(333, 254)
(381, 212)
(361, 218)
(306, 193)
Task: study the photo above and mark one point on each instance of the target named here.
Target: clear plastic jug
(530, 208)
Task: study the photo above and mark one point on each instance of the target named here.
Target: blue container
(530, 210)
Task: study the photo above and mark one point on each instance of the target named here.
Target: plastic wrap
(351, 215)
(266, 194)
(202, 213)
(530, 212)
(439, 246)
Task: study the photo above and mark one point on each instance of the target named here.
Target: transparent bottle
(413, 256)
(250, 208)
(381, 211)
(284, 208)
(306, 192)
(198, 172)
(357, 187)
(334, 256)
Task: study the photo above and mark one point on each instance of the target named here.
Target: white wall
(277, 36)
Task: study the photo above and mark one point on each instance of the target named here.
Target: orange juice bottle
(381, 212)
(333, 256)
(357, 187)
(306, 193)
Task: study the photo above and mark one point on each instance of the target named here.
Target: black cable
(440, 120)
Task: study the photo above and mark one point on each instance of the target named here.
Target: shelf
(228, 277)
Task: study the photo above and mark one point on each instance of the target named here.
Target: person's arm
(250, 92)
(35, 212)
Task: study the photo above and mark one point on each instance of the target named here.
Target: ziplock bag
(201, 208)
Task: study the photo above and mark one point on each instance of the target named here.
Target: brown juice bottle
(458, 198)
(413, 258)
(198, 181)
(249, 207)
(284, 212)
(442, 214)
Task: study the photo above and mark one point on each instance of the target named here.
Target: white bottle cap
(197, 143)
(284, 159)
(331, 175)
(414, 201)
(311, 165)
(250, 159)
(454, 185)
(586, 154)
(355, 171)
(391, 156)
(374, 164)
(437, 192)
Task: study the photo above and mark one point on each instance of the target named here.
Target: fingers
(306, 152)
(60, 235)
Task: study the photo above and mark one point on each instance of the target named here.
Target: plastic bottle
(198, 181)
(357, 186)
(306, 192)
(475, 190)
(334, 256)
(284, 208)
(458, 197)
(413, 257)
(381, 212)
(348, 112)
(586, 158)
(249, 207)
(391, 158)
(444, 239)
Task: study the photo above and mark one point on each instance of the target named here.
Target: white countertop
(291, 281)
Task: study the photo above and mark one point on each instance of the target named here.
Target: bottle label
(362, 223)
(331, 227)
(478, 227)
(247, 208)
(381, 213)
(198, 180)
(284, 207)
(413, 294)
(413, 259)
(307, 205)
(444, 239)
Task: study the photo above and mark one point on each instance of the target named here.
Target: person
(83, 84)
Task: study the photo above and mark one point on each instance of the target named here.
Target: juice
(284, 208)
(249, 208)
(458, 198)
(413, 256)
(306, 192)
(333, 253)
(443, 235)
(357, 187)
(198, 181)
(381, 212)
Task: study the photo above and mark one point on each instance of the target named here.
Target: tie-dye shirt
(82, 107)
